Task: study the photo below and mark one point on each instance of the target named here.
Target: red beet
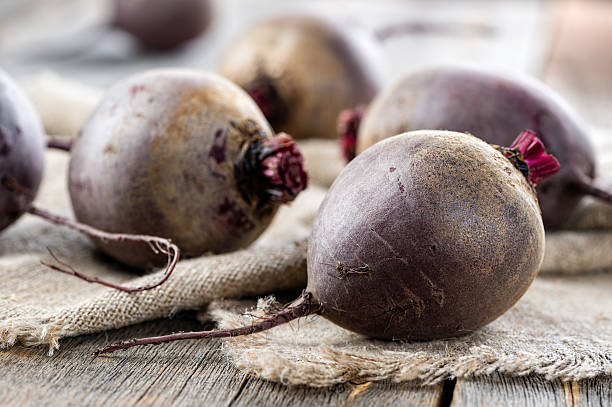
(163, 24)
(303, 70)
(185, 155)
(442, 236)
(22, 145)
(493, 106)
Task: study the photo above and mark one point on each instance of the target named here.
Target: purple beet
(493, 106)
(441, 236)
(303, 70)
(22, 143)
(163, 24)
(182, 154)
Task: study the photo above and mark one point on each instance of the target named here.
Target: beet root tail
(590, 188)
(304, 305)
(157, 244)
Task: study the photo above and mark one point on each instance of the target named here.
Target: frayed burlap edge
(195, 282)
(526, 340)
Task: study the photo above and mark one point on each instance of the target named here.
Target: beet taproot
(162, 24)
(22, 144)
(492, 105)
(182, 154)
(302, 70)
(425, 235)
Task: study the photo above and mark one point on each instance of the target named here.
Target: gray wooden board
(525, 391)
(182, 373)
(196, 373)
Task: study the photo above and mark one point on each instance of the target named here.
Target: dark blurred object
(304, 69)
(163, 24)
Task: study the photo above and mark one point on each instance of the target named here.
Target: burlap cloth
(561, 328)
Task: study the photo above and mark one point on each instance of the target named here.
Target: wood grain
(525, 391)
(181, 373)
(196, 373)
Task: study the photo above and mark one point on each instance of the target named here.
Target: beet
(22, 144)
(182, 154)
(448, 237)
(493, 106)
(441, 237)
(303, 70)
(163, 24)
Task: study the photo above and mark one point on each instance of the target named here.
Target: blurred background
(564, 43)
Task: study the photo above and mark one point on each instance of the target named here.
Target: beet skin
(163, 24)
(495, 107)
(22, 144)
(303, 70)
(185, 155)
(425, 235)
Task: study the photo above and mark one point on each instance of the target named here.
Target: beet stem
(590, 188)
(59, 143)
(304, 305)
(157, 244)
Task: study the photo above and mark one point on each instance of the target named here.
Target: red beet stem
(348, 128)
(532, 152)
(588, 186)
(304, 305)
(282, 168)
(157, 244)
(59, 143)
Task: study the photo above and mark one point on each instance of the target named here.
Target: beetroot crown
(282, 165)
(531, 151)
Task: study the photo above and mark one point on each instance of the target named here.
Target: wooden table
(538, 37)
(196, 373)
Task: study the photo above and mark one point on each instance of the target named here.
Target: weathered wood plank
(181, 373)
(531, 390)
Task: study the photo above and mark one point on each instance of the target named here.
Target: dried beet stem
(304, 305)
(157, 244)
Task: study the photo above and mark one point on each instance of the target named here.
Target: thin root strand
(301, 307)
(157, 244)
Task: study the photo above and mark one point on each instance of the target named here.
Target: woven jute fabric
(40, 306)
(561, 328)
